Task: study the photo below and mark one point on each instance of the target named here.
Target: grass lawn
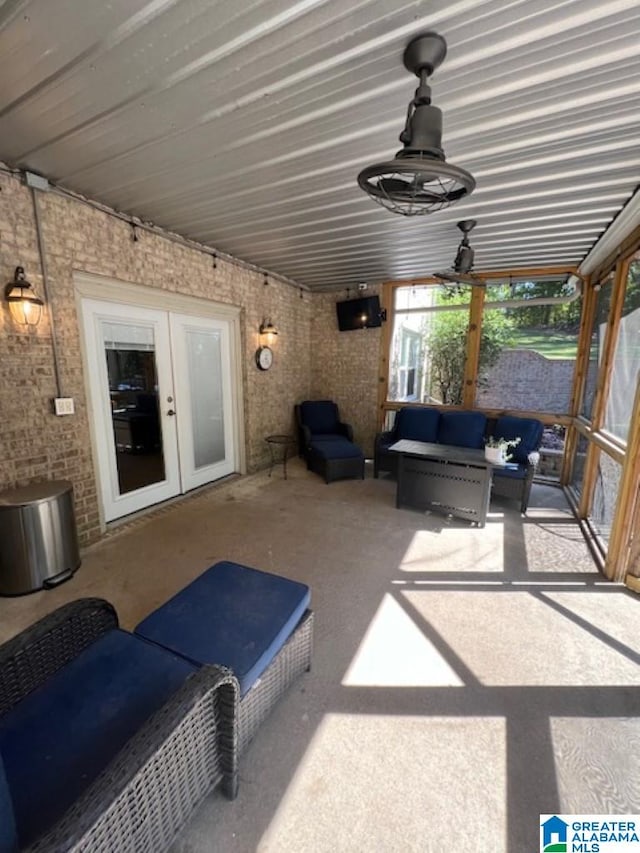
(550, 344)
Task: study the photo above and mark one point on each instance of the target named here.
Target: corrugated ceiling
(244, 124)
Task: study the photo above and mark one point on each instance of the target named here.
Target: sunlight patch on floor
(456, 549)
(597, 764)
(484, 627)
(614, 613)
(395, 653)
(349, 781)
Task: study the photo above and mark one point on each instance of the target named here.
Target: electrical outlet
(64, 406)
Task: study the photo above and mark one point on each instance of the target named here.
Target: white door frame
(104, 288)
(114, 503)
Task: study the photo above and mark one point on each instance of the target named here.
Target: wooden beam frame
(589, 297)
(602, 387)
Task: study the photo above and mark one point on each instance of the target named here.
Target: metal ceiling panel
(244, 125)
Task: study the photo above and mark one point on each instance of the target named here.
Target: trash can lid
(34, 493)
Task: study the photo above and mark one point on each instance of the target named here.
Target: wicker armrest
(30, 658)
(384, 437)
(147, 793)
(347, 429)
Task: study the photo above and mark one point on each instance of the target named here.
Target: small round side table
(286, 442)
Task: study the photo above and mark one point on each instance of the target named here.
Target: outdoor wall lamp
(268, 332)
(25, 306)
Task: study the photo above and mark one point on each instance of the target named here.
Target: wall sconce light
(25, 306)
(268, 333)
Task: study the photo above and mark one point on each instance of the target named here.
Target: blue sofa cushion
(231, 615)
(529, 430)
(417, 424)
(8, 836)
(321, 416)
(57, 740)
(339, 448)
(464, 429)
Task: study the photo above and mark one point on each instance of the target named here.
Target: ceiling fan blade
(395, 185)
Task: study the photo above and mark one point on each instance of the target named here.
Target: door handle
(171, 412)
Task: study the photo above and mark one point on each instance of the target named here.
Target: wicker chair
(515, 483)
(150, 788)
(319, 420)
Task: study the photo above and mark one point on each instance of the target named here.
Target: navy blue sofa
(467, 429)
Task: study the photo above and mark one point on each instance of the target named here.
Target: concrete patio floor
(464, 680)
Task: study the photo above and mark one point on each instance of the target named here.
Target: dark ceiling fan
(461, 273)
(419, 180)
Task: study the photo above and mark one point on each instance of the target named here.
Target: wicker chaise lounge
(109, 739)
(256, 623)
(150, 787)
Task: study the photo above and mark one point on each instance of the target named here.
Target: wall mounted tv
(364, 313)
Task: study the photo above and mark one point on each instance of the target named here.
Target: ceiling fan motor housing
(423, 133)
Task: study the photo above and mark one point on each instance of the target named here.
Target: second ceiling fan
(461, 273)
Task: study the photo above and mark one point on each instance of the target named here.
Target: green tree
(446, 348)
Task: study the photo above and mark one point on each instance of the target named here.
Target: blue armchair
(516, 482)
(319, 420)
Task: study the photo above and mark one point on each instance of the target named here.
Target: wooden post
(579, 378)
(617, 559)
(602, 387)
(474, 337)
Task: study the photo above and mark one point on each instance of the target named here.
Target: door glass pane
(626, 363)
(205, 380)
(133, 389)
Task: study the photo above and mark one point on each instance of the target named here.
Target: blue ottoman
(257, 624)
(336, 459)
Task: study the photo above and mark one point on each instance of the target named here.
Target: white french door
(161, 402)
(202, 367)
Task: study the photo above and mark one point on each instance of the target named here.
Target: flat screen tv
(361, 313)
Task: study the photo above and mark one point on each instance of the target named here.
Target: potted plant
(496, 450)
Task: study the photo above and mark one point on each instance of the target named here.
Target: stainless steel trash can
(38, 537)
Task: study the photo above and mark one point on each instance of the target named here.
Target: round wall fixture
(264, 357)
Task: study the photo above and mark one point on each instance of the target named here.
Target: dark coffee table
(442, 477)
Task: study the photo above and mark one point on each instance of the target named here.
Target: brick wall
(34, 443)
(523, 379)
(345, 367)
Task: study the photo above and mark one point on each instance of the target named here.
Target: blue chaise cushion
(231, 615)
(8, 836)
(464, 429)
(321, 416)
(417, 424)
(337, 448)
(528, 430)
(58, 739)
